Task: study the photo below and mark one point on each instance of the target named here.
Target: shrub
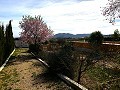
(61, 41)
(65, 60)
(60, 61)
(34, 48)
(96, 38)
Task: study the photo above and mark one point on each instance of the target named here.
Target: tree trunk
(79, 76)
(80, 72)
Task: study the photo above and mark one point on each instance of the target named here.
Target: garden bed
(23, 72)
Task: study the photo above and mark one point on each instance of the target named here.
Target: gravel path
(25, 73)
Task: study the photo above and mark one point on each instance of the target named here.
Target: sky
(63, 16)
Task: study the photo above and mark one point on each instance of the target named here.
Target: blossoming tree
(112, 10)
(34, 30)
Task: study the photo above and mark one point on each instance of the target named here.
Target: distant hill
(68, 35)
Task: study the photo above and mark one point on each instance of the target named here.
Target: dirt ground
(26, 73)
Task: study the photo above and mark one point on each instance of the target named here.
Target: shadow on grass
(50, 80)
(36, 64)
(15, 60)
(47, 76)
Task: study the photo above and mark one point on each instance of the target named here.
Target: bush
(61, 41)
(63, 61)
(34, 48)
(96, 38)
(60, 61)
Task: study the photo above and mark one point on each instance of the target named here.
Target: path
(25, 73)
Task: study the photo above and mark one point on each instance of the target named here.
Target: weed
(8, 77)
(104, 76)
(34, 74)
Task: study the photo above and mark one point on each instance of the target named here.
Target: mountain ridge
(69, 35)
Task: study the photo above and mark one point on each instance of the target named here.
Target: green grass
(7, 78)
(104, 76)
(10, 76)
(34, 74)
(18, 51)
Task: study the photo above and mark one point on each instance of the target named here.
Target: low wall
(105, 47)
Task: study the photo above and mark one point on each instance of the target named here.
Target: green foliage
(61, 41)
(9, 45)
(5, 77)
(116, 35)
(60, 61)
(6, 42)
(2, 43)
(34, 48)
(53, 40)
(96, 38)
(66, 59)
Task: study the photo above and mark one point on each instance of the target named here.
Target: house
(19, 43)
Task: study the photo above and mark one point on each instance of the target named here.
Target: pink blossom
(112, 10)
(34, 30)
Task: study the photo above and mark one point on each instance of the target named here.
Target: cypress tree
(2, 43)
(9, 39)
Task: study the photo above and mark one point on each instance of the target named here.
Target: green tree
(9, 39)
(2, 43)
(116, 35)
(96, 39)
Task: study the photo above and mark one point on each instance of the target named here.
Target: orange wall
(104, 47)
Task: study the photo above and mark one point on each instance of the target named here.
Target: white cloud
(70, 16)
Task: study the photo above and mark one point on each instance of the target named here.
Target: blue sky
(63, 16)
